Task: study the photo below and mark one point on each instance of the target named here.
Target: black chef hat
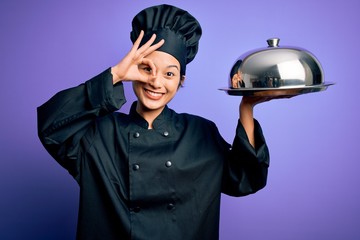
(180, 30)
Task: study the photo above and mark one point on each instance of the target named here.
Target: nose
(155, 81)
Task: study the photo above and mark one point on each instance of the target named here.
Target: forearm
(245, 170)
(247, 120)
(78, 106)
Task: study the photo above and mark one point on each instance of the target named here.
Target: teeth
(153, 93)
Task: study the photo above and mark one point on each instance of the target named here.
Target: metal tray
(283, 91)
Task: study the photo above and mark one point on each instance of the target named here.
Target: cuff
(103, 94)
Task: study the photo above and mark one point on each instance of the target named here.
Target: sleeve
(246, 168)
(64, 119)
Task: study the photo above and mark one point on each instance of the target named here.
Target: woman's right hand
(128, 68)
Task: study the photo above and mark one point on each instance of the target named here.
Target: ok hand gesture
(128, 68)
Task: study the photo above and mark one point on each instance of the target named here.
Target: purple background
(313, 187)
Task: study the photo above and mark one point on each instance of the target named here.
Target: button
(136, 135)
(170, 206)
(136, 167)
(166, 133)
(168, 164)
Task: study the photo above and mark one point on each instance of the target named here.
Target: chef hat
(180, 30)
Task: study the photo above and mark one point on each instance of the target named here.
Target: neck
(148, 114)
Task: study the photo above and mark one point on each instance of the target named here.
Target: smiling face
(160, 89)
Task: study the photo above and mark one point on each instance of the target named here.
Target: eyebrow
(170, 66)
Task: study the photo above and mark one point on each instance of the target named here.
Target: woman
(152, 173)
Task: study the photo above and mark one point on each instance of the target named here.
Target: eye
(146, 69)
(170, 74)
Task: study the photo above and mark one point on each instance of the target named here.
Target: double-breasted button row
(137, 134)
(136, 167)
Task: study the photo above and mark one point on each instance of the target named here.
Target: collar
(159, 122)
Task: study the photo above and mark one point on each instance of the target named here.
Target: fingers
(154, 47)
(150, 50)
(148, 43)
(150, 63)
(146, 49)
(138, 40)
(254, 100)
(138, 55)
(140, 51)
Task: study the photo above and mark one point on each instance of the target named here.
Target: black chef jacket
(140, 183)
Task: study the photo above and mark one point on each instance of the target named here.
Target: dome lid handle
(273, 42)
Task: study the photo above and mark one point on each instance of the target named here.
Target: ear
(182, 80)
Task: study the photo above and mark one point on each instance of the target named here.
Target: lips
(153, 95)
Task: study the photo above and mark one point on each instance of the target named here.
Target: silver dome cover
(276, 67)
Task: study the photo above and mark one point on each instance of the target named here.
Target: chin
(149, 105)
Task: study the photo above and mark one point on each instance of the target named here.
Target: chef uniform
(140, 183)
